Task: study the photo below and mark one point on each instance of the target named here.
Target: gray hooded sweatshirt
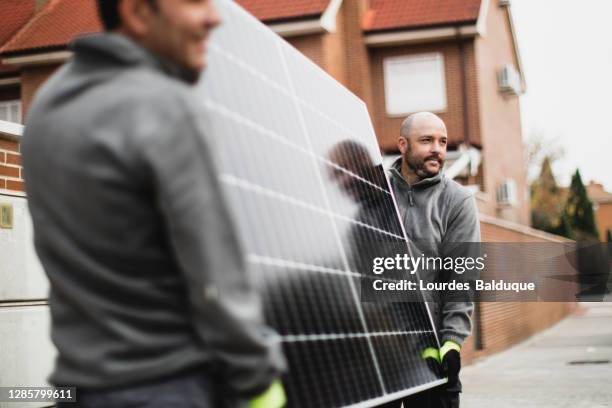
(440, 216)
(148, 278)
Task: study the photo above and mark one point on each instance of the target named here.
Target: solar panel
(302, 172)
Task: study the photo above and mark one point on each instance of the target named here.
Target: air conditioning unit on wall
(507, 193)
(509, 80)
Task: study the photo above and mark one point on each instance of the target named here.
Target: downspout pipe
(464, 87)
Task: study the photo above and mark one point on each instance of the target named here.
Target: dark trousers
(194, 390)
(442, 396)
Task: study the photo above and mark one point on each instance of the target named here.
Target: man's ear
(135, 17)
(402, 145)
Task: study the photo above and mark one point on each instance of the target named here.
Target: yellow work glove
(448, 346)
(273, 397)
(451, 360)
(431, 352)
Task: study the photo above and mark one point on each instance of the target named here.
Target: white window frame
(10, 104)
(390, 87)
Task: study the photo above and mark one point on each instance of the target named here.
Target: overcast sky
(566, 48)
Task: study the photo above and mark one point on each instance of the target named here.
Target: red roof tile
(61, 20)
(406, 14)
(55, 25)
(15, 13)
(270, 10)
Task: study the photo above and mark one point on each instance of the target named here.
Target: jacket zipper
(410, 198)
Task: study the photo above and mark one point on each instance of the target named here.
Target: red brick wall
(311, 46)
(326, 50)
(10, 166)
(387, 128)
(31, 79)
(500, 119)
(504, 324)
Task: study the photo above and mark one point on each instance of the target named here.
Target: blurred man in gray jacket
(441, 219)
(150, 301)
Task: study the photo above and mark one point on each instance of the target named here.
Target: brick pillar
(357, 60)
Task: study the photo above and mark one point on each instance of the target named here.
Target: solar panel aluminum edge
(302, 173)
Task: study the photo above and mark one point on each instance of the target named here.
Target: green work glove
(273, 397)
(451, 360)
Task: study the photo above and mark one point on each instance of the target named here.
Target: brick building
(602, 205)
(458, 58)
(15, 14)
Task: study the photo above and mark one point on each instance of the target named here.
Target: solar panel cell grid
(302, 173)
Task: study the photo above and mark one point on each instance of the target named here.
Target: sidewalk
(564, 366)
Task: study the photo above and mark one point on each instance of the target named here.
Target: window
(10, 111)
(415, 83)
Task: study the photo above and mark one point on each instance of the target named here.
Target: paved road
(538, 373)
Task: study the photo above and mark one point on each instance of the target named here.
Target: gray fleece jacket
(147, 275)
(439, 216)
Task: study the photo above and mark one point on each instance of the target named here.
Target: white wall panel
(26, 351)
(21, 275)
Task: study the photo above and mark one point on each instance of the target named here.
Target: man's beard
(178, 71)
(418, 165)
(189, 76)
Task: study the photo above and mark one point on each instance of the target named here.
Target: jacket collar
(396, 172)
(118, 50)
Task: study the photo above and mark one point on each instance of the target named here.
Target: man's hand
(273, 397)
(451, 361)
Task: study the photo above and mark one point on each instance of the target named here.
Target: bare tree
(538, 147)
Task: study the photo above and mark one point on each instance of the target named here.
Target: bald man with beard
(440, 217)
